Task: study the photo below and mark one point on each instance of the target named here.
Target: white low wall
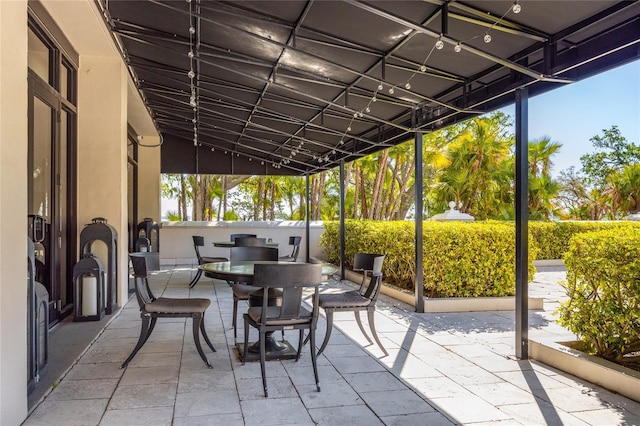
(176, 244)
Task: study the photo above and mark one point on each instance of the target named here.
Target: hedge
(603, 284)
(552, 238)
(460, 259)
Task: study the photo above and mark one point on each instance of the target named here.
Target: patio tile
(276, 411)
(206, 380)
(68, 413)
(497, 363)
(356, 364)
(83, 389)
(396, 402)
(150, 375)
(190, 404)
(499, 394)
(471, 376)
(143, 396)
(303, 374)
(278, 387)
(156, 359)
(437, 387)
(374, 382)
(475, 409)
(138, 417)
(419, 419)
(541, 413)
(406, 365)
(101, 370)
(332, 394)
(222, 419)
(607, 416)
(347, 415)
(252, 370)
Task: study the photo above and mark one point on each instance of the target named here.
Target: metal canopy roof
(294, 87)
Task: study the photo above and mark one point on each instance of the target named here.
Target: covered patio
(442, 369)
(139, 88)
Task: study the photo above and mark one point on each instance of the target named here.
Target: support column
(149, 179)
(522, 223)
(419, 284)
(342, 228)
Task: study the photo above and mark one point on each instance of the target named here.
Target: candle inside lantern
(89, 296)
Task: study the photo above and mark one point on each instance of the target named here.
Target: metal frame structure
(302, 86)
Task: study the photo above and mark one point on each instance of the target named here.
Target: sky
(571, 115)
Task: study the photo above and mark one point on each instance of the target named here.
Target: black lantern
(89, 287)
(150, 229)
(99, 230)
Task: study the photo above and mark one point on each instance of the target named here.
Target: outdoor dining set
(281, 293)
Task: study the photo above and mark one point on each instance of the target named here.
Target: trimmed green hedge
(552, 238)
(461, 259)
(603, 283)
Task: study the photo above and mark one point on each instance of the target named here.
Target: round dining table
(242, 271)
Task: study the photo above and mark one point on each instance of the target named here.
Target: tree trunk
(378, 186)
(256, 206)
(183, 198)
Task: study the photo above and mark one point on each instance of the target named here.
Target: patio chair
(234, 236)
(198, 242)
(241, 291)
(363, 299)
(291, 279)
(295, 242)
(250, 242)
(152, 308)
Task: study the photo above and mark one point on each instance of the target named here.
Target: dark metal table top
(242, 271)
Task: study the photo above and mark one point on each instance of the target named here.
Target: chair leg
(263, 360)
(373, 331)
(204, 334)
(329, 316)
(300, 344)
(196, 278)
(245, 351)
(197, 320)
(359, 321)
(145, 331)
(312, 337)
(234, 320)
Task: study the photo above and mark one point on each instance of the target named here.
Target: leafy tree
(625, 190)
(613, 152)
(542, 188)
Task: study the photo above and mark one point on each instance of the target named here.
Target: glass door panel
(41, 197)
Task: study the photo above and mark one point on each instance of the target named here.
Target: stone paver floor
(442, 369)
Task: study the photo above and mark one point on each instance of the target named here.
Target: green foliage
(230, 215)
(603, 284)
(173, 216)
(612, 153)
(460, 259)
(552, 238)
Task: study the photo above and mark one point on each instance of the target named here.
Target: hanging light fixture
(516, 8)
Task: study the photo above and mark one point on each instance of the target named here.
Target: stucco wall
(13, 211)
(176, 244)
(102, 151)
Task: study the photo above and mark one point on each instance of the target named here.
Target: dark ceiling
(293, 87)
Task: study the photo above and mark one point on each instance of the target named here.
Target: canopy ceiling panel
(295, 87)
